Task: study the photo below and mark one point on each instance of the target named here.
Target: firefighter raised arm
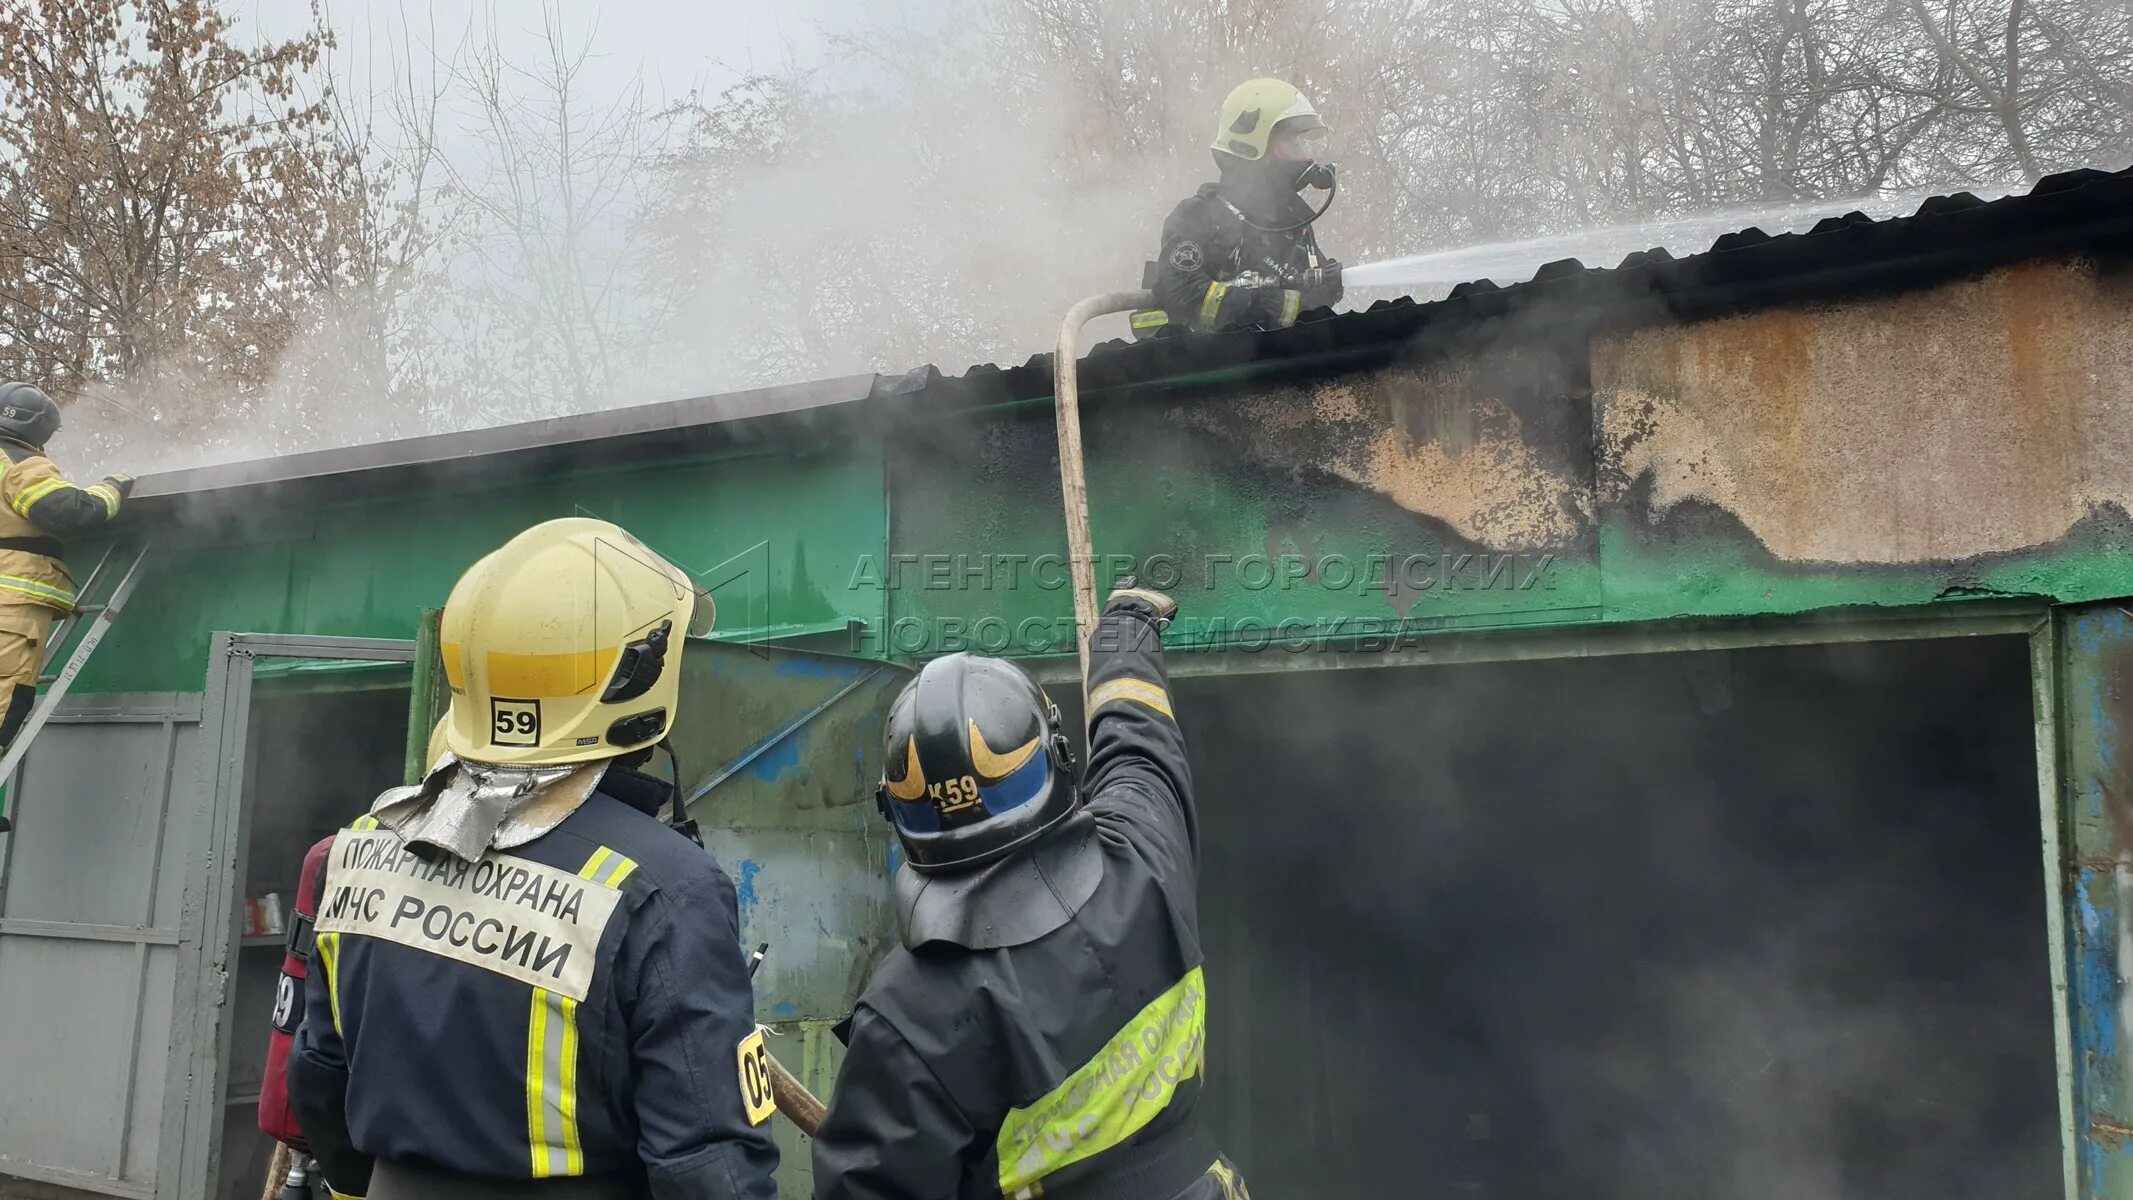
(1041, 1030)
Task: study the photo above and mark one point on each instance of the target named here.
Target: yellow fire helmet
(435, 754)
(563, 646)
(1251, 112)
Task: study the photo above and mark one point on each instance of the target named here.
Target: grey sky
(674, 46)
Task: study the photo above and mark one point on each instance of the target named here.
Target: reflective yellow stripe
(536, 1082)
(1292, 303)
(591, 869)
(104, 493)
(1150, 318)
(1113, 1095)
(1132, 689)
(1211, 307)
(61, 597)
(552, 1086)
(341, 1195)
(567, 1094)
(607, 868)
(365, 824)
(329, 955)
(552, 1054)
(35, 492)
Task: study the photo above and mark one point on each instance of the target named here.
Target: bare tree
(547, 204)
(228, 231)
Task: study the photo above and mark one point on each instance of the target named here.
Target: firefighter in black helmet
(1241, 251)
(1042, 1028)
(38, 507)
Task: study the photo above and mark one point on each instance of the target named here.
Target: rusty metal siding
(2094, 695)
(785, 748)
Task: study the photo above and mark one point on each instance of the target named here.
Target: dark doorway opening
(1744, 924)
(320, 748)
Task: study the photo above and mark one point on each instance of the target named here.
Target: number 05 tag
(755, 1079)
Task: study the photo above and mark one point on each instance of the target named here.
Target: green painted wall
(772, 539)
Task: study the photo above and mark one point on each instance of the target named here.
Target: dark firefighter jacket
(577, 1006)
(1068, 1066)
(37, 508)
(1207, 242)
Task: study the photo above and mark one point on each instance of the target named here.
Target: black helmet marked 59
(976, 764)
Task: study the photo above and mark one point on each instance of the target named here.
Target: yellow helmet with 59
(564, 646)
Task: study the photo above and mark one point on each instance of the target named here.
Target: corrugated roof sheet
(2083, 212)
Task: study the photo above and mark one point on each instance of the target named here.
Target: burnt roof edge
(620, 427)
(1946, 237)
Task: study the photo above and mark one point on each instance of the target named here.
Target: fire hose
(792, 1097)
(1073, 483)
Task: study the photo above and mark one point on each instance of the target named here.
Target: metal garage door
(91, 893)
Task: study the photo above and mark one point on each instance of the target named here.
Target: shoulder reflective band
(35, 492)
(552, 1054)
(1141, 690)
(1113, 1095)
(1211, 307)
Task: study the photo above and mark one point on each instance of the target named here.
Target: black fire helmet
(27, 415)
(976, 764)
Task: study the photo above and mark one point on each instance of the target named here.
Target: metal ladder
(98, 616)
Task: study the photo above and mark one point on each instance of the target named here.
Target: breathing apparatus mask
(1269, 132)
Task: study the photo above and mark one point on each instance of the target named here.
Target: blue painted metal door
(780, 751)
(2083, 739)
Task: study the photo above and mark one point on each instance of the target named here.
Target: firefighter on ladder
(38, 507)
(1041, 1031)
(522, 982)
(1241, 251)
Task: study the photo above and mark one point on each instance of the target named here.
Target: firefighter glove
(1321, 285)
(1148, 602)
(122, 484)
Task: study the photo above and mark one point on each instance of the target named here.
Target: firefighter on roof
(522, 981)
(1241, 251)
(38, 507)
(1042, 1028)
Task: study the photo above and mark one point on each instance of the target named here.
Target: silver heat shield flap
(466, 808)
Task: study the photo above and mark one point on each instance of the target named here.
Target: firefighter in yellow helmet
(38, 507)
(522, 979)
(1241, 251)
